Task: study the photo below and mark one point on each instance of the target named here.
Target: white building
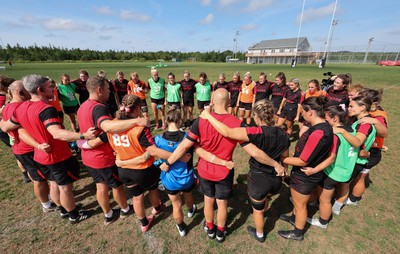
(280, 51)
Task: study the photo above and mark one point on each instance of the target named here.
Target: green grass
(371, 227)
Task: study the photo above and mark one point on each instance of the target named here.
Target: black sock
(181, 226)
(62, 210)
(144, 221)
(298, 232)
(322, 221)
(158, 208)
(292, 217)
(354, 198)
(73, 214)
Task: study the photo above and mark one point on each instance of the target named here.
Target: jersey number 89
(121, 140)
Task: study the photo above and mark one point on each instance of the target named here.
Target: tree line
(51, 53)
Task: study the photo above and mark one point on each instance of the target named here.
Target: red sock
(221, 228)
(210, 225)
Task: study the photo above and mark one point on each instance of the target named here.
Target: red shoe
(145, 228)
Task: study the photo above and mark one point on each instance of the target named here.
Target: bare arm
(355, 141)
(122, 125)
(233, 133)
(212, 158)
(162, 154)
(7, 126)
(323, 165)
(58, 133)
(178, 153)
(381, 130)
(134, 161)
(23, 135)
(281, 106)
(294, 161)
(263, 158)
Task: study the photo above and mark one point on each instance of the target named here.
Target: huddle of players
(303, 180)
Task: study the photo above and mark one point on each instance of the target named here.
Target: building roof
(280, 43)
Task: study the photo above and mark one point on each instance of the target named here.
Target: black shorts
(65, 172)
(174, 192)
(245, 106)
(188, 102)
(304, 184)
(233, 102)
(261, 184)
(375, 156)
(70, 109)
(328, 183)
(108, 175)
(158, 101)
(146, 179)
(36, 171)
(177, 105)
(143, 105)
(301, 119)
(202, 104)
(289, 113)
(219, 190)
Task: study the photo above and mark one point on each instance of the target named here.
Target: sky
(198, 25)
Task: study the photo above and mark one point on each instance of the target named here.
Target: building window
(272, 50)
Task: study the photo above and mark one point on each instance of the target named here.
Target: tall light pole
(235, 40)
(330, 28)
(368, 48)
(334, 23)
(294, 60)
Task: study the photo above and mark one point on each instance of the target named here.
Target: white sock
(109, 214)
(337, 206)
(46, 204)
(260, 235)
(125, 210)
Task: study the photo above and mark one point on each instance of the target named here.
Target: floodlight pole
(330, 28)
(368, 48)
(334, 23)
(235, 45)
(294, 60)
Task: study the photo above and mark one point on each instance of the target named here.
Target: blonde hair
(265, 111)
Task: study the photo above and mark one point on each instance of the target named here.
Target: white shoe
(194, 209)
(181, 233)
(336, 212)
(315, 222)
(349, 202)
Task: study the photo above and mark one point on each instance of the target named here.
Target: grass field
(371, 227)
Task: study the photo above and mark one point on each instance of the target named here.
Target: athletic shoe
(210, 232)
(145, 228)
(349, 202)
(123, 214)
(253, 232)
(52, 208)
(335, 211)
(65, 214)
(220, 236)
(287, 218)
(83, 215)
(181, 232)
(156, 127)
(194, 210)
(154, 212)
(163, 127)
(317, 223)
(289, 234)
(114, 217)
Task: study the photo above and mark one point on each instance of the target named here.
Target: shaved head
(221, 96)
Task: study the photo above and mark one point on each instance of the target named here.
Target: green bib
(203, 92)
(156, 88)
(174, 92)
